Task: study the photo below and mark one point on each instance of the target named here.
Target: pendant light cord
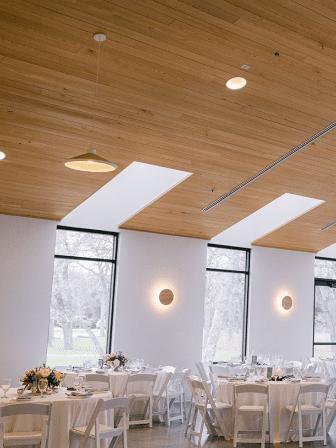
(95, 102)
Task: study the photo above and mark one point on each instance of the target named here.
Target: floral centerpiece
(115, 359)
(32, 376)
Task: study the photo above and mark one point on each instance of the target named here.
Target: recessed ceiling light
(236, 83)
(2, 155)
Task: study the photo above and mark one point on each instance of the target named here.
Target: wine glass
(267, 359)
(5, 384)
(82, 379)
(77, 383)
(251, 372)
(43, 384)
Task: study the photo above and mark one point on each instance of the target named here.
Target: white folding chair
(2, 433)
(173, 391)
(100, 381)
(313, 410)
(192, 401)
(204, 403)
(220, 369)
(244, 410)
(330, 404)
(31, 437)
(96, 431)
(168, 369)
(60, 368)
(146, 396)
(203, 373)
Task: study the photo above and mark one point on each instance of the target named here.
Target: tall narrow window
(225, 308)
(325, 308)
(82, 296)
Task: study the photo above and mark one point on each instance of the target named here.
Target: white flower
(109, 363)
(113, 355)
(116, 362)
(106, 357)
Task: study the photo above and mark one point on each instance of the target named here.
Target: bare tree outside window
(325, 308)
(81, 307)
(225, 306)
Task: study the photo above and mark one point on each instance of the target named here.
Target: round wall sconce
(287, 303)
(166, 297)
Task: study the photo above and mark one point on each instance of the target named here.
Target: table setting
(282, 390)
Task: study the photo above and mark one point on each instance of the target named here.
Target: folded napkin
(78, 394)
(24, 397)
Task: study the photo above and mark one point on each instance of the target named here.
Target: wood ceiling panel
(162, 100)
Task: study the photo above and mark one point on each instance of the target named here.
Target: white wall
(144, 329)
(26, 267)
(274, 274)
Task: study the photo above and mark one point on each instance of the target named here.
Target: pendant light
(91, 161)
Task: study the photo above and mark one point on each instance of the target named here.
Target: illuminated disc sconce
(287, 303)
(166, 297)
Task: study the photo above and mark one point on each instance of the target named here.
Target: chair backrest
(220, 369)
(168, 369)
(124, 404)
(61, 368)
(2, 432)
(241, 389)
(99, 377)
(175, 382)
(202, 371)
(148, 377)
(320, 389)
(25, 408)
(314, 388)
(161, 391)
(310, 367)
(297, 364)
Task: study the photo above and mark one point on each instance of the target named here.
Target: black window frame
(246, 287)
(321, 282)
(113, 260)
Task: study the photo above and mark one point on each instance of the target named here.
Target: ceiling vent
(269, 167)
(328, 225)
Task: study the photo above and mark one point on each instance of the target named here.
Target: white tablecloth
(66, 413)
(120, 378)
(281, 394)
(118, 381)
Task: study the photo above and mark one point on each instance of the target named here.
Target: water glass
(86, 363)
(5, 384)
(251, 372)
(77, 383)
(82, 379)
(43, 384)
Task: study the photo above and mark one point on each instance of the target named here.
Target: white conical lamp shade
(90, 162)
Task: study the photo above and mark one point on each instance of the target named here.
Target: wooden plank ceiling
(162, 100)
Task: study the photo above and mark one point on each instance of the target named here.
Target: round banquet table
(118, 382)
(119, 379)
(281, 394)
(66, 412)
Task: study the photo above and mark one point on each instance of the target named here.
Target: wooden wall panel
(162, 100)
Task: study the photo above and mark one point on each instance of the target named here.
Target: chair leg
(168, 410)
(202, 426)
(263, 431)
(193, 421)
(150, 411)
(125, 431)
(235, 430)
(181, 406)
(300, 429)
(324, 427)
(188, 416)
